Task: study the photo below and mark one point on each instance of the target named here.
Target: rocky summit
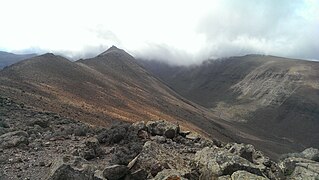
(44, 145)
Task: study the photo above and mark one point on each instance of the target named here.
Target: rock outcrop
(13, 139)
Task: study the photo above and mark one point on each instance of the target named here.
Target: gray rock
(311, 153)
(218, 162)
(41, 163)
(248, 152)
(140, 125)
(92, 149)
(300, 168)
(288, 165)
(3, 124)
(3, 131)
(243, 150)
(14, 139)
(143, 134)
(98, 175)
(40, 122)
(71, 168)
(184, 133)
(246, 176)
(163, 128)
(159, 139)
(155, 157)
(138, 175)
(193, 137)
(156, 168)
(115, 172)
(306, 171)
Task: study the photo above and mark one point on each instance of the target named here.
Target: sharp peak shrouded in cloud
(112, 49)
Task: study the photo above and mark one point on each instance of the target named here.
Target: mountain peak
(112, 49)
(48, 55)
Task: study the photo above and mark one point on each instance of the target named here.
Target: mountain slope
(263, 94)
(109, 87)
(6, 59)
(113, 87)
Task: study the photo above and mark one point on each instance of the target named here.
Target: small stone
(156, 168)
(49, 164)
(143, 134)
(41, 163)
(184, 133)
(159, 139)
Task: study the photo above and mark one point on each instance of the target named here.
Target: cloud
(262, 27)
(178, 32)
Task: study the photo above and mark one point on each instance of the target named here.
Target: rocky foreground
(42, 145)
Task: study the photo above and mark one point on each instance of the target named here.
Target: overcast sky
(178, 31)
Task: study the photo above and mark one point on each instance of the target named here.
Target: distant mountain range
(267, 101)
(7, 59)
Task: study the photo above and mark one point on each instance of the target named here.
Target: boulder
(92, 149)
(14, 139)
(115, 134)
(71, 168)
(311, 153)
(138, 126)
(163, 128)
(115, 172)
(138, 175)
(40, 122)
(288, 165)
(246, 175)
(305, 171)
(217, 162)
(243, 150)
(248, 152)
(300, 168)
(155, 157)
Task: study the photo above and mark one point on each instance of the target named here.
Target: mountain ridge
(114, 87)
(122, 90)
(6, 58)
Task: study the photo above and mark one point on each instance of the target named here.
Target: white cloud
(178, 31)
